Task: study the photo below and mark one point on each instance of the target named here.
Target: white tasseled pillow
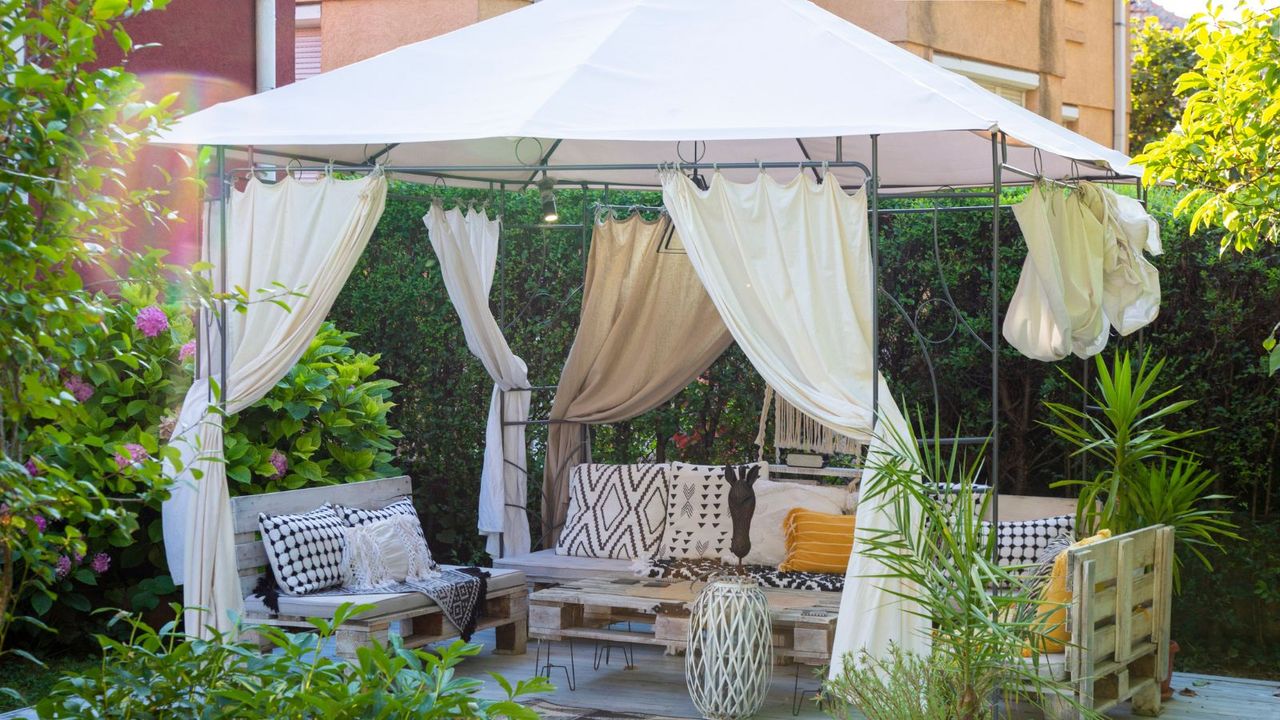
(385, 552)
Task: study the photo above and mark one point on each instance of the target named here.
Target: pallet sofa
(420, 620)
(1118, 616)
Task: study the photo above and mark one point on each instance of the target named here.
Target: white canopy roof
(638, 82)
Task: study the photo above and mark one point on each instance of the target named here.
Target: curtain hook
(761, 163)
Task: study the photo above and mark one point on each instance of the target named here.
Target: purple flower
(63, 568)
(151, 321)
(279, 462)
(39, 522)
(32, 469)
(187, 351)
(78, 387)
(135, 454)
(101, 563)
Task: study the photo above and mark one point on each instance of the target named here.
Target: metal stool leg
(797, 695)
(570, 672)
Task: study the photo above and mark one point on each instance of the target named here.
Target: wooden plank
(1085, 639)
(1124, 598)
(1142, 595)
(1162, 601)
(1103, 554)
(369, 494)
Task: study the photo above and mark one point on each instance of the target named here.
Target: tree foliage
(1160, 56)
(1226, 148)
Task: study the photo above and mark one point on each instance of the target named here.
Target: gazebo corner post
(997, 143)
(873, 183)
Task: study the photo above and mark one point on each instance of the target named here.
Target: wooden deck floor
(656, 685)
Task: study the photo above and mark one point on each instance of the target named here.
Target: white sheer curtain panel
(307, 236)
(467, 246)
(789, 267)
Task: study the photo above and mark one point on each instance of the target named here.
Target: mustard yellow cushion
(817, 541)
(1051, 617)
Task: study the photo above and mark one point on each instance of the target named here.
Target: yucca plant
(1146, 475)
(938, 546)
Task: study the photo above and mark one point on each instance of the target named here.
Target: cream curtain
(467, 246)
(306, 236)
(789, 268)
(1085, 271)
(647, 330)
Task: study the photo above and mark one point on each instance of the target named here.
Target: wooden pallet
(804, 621)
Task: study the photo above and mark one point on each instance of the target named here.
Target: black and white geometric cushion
(702, 570)
(698, 520)
(355, 517)
(1021, 542)
(305, 551)
(615, 511)
(945, 496)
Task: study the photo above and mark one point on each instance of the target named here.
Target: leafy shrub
(162, 673)
(325, 422)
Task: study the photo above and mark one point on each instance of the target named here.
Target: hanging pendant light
(547, 190)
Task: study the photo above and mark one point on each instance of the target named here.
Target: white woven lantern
(729, 660)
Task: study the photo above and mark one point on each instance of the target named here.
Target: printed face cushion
(774, 500)
(698, 521)
(817, 542)
(1020, 542)
(354, 516)
(615, 511)
(305, 551)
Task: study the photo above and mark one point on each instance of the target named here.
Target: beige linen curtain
(307, 236)
(789, 268)
(1131, 284)
(647, 330)
(467, 246)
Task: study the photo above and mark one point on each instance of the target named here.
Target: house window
(306, 43)
(1011, 84)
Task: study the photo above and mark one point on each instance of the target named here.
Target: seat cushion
(1050, 666)
(546, 566)
(384, 603)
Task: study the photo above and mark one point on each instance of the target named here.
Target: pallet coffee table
(804, 621)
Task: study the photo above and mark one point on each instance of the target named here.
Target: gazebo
(632, 94)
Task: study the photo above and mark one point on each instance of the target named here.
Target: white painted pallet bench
(506, 606)
(1121, 592)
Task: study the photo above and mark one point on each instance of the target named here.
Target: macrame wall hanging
(793, 430)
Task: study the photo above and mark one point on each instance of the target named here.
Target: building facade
(1064, 59)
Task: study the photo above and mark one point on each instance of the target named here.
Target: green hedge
(1215, 312)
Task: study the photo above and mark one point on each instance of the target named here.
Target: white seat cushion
(547, 566)
(385, 603)
(1050, 666)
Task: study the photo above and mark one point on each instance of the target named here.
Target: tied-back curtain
(307, 237)
(1085, 271)
(467, 246)
(789, 267)
(647, 330)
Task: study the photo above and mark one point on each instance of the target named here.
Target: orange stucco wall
(353, 30)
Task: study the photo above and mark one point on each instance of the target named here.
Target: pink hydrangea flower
(63, 568)
(187, 351)
(40, 523)
(135, 454)
(32, 469)
(78, 387)
(101, 563)
(279, 462)
(151, 321)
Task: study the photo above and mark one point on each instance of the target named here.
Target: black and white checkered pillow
(1021, 542)
(305, 551)
(355, 517)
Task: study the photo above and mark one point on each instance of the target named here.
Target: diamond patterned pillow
(698, 521)
(305, 551)
(615, 511)
(1021, 542)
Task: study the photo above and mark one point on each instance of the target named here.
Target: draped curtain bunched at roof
(467, 247)
(306, 236)
(789, 268)
(647, 330)
(1085, 271)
